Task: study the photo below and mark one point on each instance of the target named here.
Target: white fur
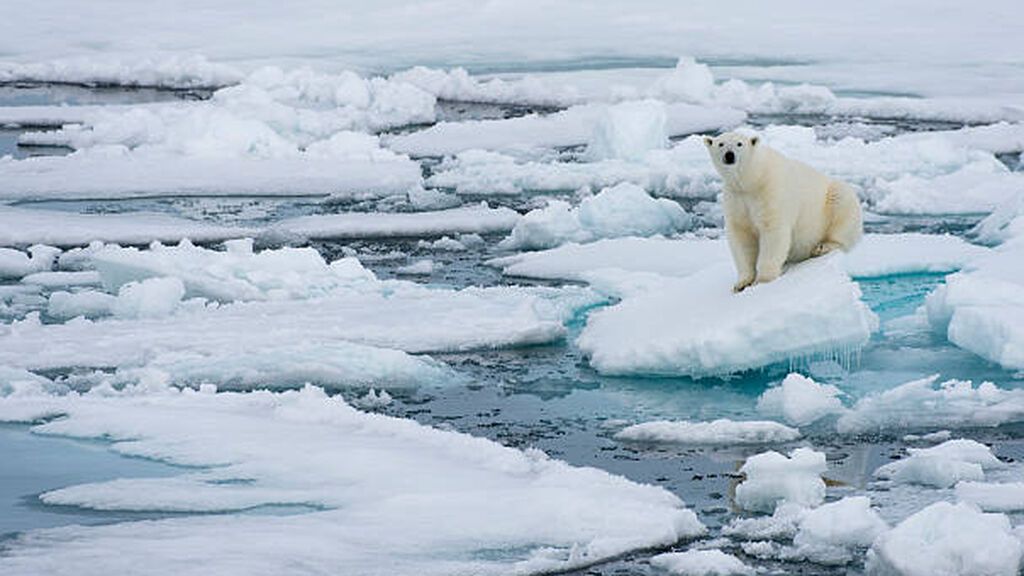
(779, 210)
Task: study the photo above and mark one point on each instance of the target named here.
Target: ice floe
(992, 497)
(25, 226)
(17, 264)
(622, 210)
(830, 533)
(922, 404)
(944, 538)
(701, 563)
(377, 485)
(720, 431)
(941, 466)
(800, 400)
(773, 479)
(696, 326)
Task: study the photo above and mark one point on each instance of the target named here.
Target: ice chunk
(378, 484)
(701, 563)
(1003, 497)
(150, 298)
(87, 303)
(697, 326)
(800, 400)
(921, 404)
(952, 539)
(941, 466)
(979, 186)
(1006, 222)
(237, 273)
(716, 432)
(16, 264)
(477, 219)
(910, 253)
(772, 479)
(623, 210)
(628, 131)
(63, 279)
(420, 267)
(830, 533)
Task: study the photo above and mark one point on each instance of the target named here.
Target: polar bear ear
(708, 140)
(753, 140)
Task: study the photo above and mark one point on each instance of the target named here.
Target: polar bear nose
(729, 158)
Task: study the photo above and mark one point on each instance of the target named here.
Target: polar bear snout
(729, 158)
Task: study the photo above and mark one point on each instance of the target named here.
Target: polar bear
(779, 210)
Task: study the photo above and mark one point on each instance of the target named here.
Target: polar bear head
(732, 153)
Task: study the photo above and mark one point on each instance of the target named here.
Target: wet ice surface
(545, 396)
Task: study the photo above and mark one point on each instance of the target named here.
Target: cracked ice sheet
(397, 497)
(390, 314)
(26, 226)
(695, 326)
(874, 255)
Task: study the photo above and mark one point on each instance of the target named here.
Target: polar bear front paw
(825, 248)
(742, 283)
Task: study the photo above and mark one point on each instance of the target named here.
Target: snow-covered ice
(25, 226)
(721, 431)
(813, 309)
(992, 497)
(17, 264)
(701, 563)
(830, 533)
(800, 400)
(773, 479)
(622, 210)
(944, 538)
(475, 219)
(942, 466)
(384, 487)
(923, 404)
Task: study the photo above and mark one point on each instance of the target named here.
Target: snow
(800, 400)
(622, 210)
(944, 538)
(922, 404)
(720, 431)
(773, 479)
(941, 466)
(992, 497)
(475, 219)
(609, 128)
(831, 532)
(380, 487)
(813, 309)
(17, 264)
(24, 226)
(701, 563)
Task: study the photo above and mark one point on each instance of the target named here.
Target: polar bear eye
(720, 144)
(739, 144)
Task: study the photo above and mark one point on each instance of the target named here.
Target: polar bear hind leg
(845, 221)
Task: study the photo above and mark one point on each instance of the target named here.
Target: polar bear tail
(846, 223)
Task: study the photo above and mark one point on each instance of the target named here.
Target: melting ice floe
(800, 401)
(388, 488)
(773, 479)
(697, 326)
(717, 432)
(942, 466)
(700, 562)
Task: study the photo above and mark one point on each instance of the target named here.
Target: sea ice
(474, 219)
(622, 210)
(17, 264)
(992, 497)
(948, 539)
(773, 479)
(922, 404)
(697, 326)
(800, 400)
(720, 431)
(379, 487)
(701, 563)
(829, 533)
(941, 466)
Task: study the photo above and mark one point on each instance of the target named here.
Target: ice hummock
(941, 466)
(379, 487)
(773, 479)
(800, 400)
(622, 210)
(696, 326)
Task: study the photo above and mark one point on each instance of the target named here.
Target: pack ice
(372, 494)
(696, 326)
